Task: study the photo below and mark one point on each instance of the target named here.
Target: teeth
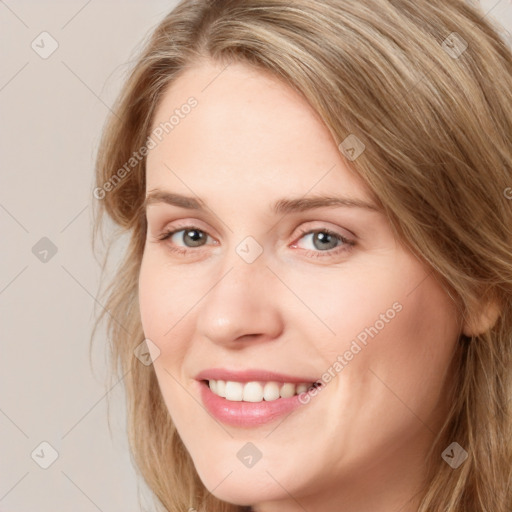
(287, 390)
(221, 388)
(302, 388)
(234, 391)
(271, 391)
(255, 391)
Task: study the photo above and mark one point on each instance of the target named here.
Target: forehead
(247, 127)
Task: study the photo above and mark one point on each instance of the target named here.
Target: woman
(314, 308)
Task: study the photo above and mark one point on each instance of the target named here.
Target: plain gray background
(52, 112)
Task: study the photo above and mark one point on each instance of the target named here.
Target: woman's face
(265, 288)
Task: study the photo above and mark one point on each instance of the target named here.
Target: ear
(482, 319)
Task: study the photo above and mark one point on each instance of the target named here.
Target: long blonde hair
(427, 87)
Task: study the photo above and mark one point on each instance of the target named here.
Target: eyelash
(347, 244)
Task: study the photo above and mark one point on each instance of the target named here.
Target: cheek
(398, 378)
(355, 302)
(430, 331)
(164, 299)
(398, 329)
(409, 361)
(152, 299)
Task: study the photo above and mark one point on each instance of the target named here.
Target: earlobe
(483, 319)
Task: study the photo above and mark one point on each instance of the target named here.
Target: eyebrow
(282, 206)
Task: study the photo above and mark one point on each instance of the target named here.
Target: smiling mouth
(257, 391)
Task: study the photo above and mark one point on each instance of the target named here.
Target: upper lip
(251, 375)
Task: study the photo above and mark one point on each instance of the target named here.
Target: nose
(243, 304)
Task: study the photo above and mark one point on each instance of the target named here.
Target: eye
(318, 243)
(324, 241)
(185, 238)
(191, 237)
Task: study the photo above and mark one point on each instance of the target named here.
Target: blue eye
(190, 237)
(324, 242)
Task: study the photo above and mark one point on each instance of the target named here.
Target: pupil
(324, 239)
(195, 236)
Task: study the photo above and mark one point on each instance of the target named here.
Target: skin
(362, 441)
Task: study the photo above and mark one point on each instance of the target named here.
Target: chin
(236, 484)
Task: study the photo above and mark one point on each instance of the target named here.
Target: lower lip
(247, 414)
